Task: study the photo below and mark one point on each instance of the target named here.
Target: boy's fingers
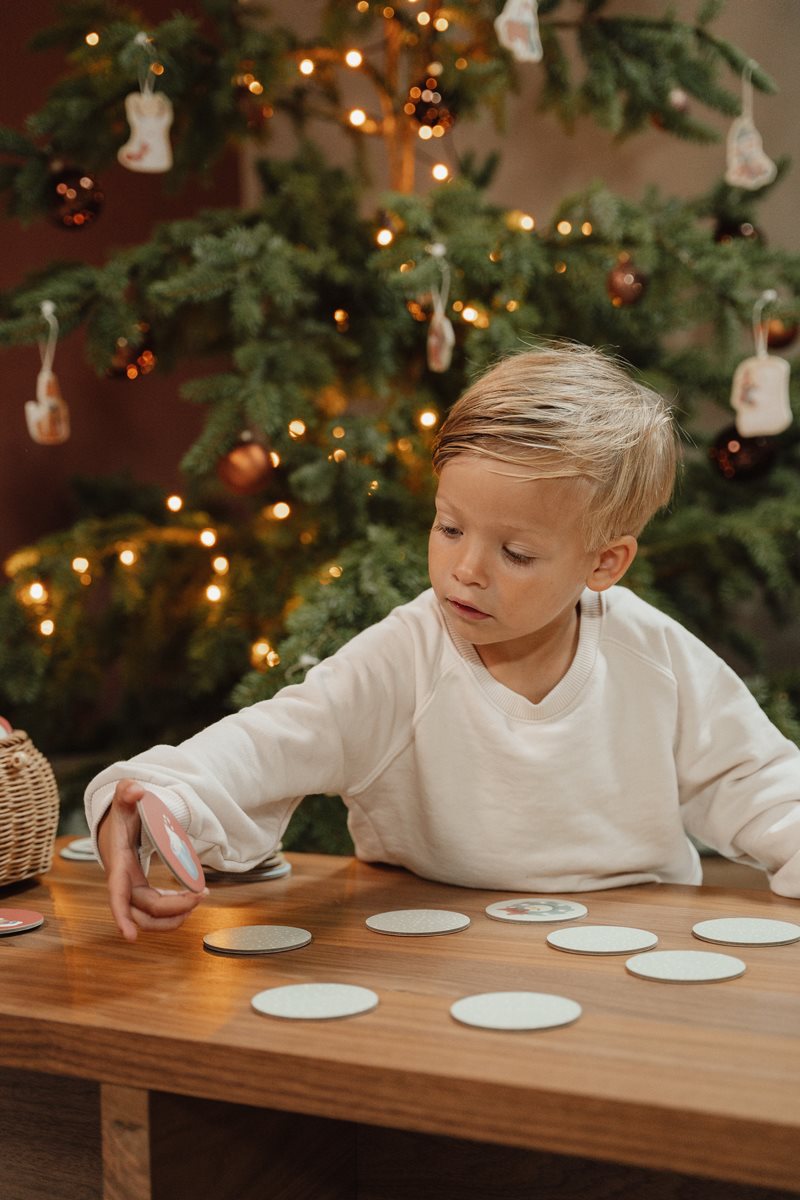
(153, 903)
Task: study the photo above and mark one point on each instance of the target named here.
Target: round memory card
(515, 1010)
(685, 966)
(602, 939)
(414, 922)
(256, 939)
(19, 920)
(536, 908)
(315, 1001)
(747, 931)
(173, 846)
(79, 850)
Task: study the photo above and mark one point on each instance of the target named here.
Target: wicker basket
(28, 809)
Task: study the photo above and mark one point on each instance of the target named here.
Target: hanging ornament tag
(149, 114)
(760, 396)
(760, 389)
(47, 416)
(441, 340)
(517, 29)
(747, 164)
(441, 335)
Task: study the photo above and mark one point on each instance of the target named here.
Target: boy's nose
(469, 569)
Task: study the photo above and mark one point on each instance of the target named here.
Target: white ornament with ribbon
(149, 114)
(760, 390)
(47, 416)
(441, 335)
(517, 29)
(747, 164)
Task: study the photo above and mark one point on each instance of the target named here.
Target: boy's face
(506, 555)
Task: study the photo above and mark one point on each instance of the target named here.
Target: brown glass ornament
(742, 458)
(133, 357)
(729, 231)
(246, 468)
(75, 197)
(426, 106)
(625, 283)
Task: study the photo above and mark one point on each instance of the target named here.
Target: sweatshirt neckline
(564, 693)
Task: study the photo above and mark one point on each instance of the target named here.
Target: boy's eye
(447, 530)
(513, 556)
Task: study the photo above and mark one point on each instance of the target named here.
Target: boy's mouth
(467, 610)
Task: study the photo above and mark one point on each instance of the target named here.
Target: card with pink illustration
(173, 846)
(19, 920)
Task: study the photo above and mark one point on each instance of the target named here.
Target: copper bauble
(741, 458)
(246, 468)
(780, 333)
(625, 283)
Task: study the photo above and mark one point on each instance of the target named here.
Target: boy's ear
(611, 563)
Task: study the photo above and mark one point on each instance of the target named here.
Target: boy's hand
(134, 904)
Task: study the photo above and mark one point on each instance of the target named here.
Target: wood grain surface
(702, 1079)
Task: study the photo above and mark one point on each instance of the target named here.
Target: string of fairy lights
(428, 118)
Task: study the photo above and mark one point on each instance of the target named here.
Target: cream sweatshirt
(647, 738)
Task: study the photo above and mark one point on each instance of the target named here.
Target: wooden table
(147, 1059)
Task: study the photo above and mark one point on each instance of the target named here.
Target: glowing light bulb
(428, 418)
(564, 227)
(384, 237)
(297, 429)
(306, 66)
(425, 132)
(586, 228)
(92, 39)
(47, 627)
(423, 18)
(174, 503)
(37, 592)
(440, 24)
(208, 537)
(127, 556)
(440, 171)
(354, 58)
(338, 431)
(275, 458)
(339, 455)
(357, 117)
(469, 313)
(221, 564)
(280, 511)
(80, 564)
(214, 593)
(335, 572)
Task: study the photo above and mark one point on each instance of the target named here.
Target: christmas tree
(331, 322)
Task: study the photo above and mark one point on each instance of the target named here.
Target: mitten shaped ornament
(760, 396)
(47, 416)
(517, 29)
(148, 148)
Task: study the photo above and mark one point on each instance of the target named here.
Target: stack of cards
(274, 866)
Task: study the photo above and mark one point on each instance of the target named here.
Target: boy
(523, 725)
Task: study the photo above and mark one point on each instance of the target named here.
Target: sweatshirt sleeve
(739, 777)
(234, 786)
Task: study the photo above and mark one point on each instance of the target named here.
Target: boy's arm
(740, 779)
(134, 904)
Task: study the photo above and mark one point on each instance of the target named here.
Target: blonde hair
(569, 410)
